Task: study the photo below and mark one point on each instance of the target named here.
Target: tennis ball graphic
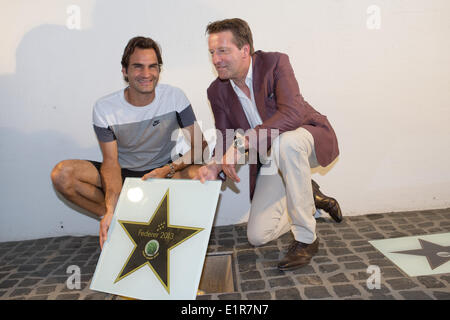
(151, 248)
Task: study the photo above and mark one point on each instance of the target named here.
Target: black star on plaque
(153, 241)
(436, 255)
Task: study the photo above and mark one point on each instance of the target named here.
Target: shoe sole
(294, 267)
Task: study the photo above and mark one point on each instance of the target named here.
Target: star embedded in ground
(436, 254)
(418, 255)
(153, 241)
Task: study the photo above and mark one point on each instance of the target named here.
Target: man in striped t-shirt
(135, 127)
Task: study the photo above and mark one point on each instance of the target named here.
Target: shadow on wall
(30, 208)
(324, 170)
(47, 110)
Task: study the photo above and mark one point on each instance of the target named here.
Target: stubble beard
(142, 89)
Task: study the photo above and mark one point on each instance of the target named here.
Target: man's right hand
(208, 172)
(104, 227)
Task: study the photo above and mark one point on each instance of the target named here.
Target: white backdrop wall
(379, 69)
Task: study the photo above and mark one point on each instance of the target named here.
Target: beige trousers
(283, 198)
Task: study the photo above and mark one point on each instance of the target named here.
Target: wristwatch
(239, 144)
(172, 170)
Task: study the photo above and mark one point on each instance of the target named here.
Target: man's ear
(125, 74)
(246, 50)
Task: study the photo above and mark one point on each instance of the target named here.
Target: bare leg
(79, 182)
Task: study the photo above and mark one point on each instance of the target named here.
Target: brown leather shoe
(298, 255)
(328, 204)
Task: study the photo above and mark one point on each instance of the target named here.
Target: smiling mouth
(220, 68)
(145, 82)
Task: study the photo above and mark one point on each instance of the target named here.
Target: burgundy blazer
(280, 105)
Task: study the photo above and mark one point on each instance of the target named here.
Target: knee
(255, 237)
(291, 142)
(62, 176)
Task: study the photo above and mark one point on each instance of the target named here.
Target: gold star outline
(157, 223)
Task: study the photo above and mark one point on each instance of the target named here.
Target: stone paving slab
(38, 269)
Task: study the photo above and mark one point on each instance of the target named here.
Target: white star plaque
(157, 240)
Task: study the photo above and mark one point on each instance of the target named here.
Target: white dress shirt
(248, 105)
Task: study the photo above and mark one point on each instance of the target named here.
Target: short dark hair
(141, 43)
(239, 28)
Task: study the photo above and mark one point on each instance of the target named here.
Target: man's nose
(215, 58)
(146, 72)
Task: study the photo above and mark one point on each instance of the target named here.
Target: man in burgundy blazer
(258, 93)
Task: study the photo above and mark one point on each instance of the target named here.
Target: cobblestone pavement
(37, 269)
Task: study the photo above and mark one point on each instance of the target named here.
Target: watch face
(238, 143)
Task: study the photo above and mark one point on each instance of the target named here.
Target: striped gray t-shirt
(143, 134)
